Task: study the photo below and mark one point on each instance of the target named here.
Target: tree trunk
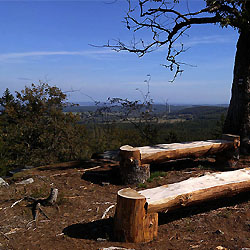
(238, 116)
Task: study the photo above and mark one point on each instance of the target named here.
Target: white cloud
(213, 39)
(19, 55)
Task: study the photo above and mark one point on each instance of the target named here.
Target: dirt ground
(76, 221)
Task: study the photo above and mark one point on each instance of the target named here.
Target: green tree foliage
(218, 130)
(36, 131)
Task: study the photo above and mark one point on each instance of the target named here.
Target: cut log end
(130, 193)
(128, 152)
(127, 148)
(234, 138)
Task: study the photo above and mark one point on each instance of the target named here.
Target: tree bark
(131, 169)
(238, 116)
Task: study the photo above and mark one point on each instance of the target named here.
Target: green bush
(36, 131)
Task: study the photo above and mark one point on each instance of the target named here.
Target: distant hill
(158, 108)
(162, 108)
(80, 109)
(203, 112)
(193, 110)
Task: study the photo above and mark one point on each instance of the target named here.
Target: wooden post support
(234, 138)
(131, 169)
(230, 157)
(132, 223)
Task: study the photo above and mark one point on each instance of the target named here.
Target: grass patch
(226, 213)
(142, 185)
(60, 199)
(40, 192)
(201, 167)
(156, 176)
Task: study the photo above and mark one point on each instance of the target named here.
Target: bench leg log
(131, 169)
(230, 157)
(132, 223)
(132, 172)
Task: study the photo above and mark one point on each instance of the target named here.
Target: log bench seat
(134, 161)
(136, 217)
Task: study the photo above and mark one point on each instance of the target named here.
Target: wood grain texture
(164, 152)
(197, 190)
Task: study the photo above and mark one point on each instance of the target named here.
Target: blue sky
(49, 41)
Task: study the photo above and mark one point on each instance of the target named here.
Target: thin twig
(5, 236)
(16, 202)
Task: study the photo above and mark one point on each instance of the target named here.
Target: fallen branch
(73, 197)
(115, 248)
(88, 169)
(12, 231)
(37, 203)
(100, 203)
(5, 236)
(36, 210)
(106, 211)
(51, 200)
(53, 175)
(79, 170)
(59, 234)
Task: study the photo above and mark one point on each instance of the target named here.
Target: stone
(108, 155)
(3, 183)
(218, 232)
(101, 239)
(27, 181)
(28, 167)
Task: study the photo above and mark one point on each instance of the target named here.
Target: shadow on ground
(103, 175)
(188, 163)
(103, 229)
(109, 173)
(100, 229)
(83, 164)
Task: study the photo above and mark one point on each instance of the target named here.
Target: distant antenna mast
(166, 106)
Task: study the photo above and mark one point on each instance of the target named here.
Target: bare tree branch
(167, 24)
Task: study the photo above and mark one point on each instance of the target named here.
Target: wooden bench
(136, 217)
(134, 161)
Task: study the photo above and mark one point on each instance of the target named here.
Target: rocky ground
(82, 216)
